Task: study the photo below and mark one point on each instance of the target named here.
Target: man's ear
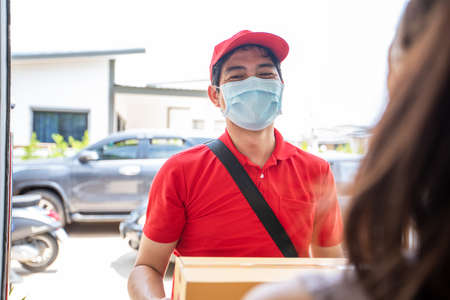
(213, 93)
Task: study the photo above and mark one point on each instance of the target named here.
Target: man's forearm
(145, 283)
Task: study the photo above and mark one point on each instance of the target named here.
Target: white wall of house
(174, 112)
(60, 84)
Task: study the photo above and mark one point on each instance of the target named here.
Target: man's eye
(268, 74)
(235, 77)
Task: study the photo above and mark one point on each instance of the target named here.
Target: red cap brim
(276, 44)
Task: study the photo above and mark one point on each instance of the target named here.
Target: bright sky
(334, 74)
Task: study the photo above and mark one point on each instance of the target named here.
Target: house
(63, 92)
(351, 138)
(180, 106)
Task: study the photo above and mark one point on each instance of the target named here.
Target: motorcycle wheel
(48, 251)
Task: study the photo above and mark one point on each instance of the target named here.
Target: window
(124, 149)
(198, 124)
(165, 147)
(46, 123)
(178, 118)
(219, 125)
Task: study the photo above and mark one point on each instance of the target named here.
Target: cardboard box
(230, 278)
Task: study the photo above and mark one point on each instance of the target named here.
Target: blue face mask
(253, 103)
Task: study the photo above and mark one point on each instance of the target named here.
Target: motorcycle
(36, 233)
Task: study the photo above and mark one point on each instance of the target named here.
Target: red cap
(276, 44)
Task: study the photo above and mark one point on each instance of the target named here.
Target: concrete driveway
(93, 263)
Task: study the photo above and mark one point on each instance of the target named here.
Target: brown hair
(404, 180)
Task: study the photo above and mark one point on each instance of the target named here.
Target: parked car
(343, 166)
(103, 182)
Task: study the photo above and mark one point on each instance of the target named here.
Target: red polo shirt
(193, 199)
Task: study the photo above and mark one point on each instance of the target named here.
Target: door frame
(5, 146)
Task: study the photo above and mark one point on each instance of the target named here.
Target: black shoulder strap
(254, 198)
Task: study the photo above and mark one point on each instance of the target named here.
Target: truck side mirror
(88, 156)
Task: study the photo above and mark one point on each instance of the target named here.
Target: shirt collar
(283, 150)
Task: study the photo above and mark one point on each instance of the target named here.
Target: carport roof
(69, 54)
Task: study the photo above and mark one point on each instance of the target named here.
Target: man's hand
(333, 252)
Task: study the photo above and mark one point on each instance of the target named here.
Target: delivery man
(196, 208)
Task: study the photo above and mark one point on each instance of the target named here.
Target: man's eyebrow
(232, 68)
(266, 65)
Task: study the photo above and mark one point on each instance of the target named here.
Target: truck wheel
(51, 201)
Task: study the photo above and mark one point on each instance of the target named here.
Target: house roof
(199, 84)
(151, 90)
(69, 54)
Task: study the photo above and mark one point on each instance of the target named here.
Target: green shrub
(344, 148)
(31, 148)
(59, 148)
(304, 145)
(11, 288)
(361, 149)
(78, 145)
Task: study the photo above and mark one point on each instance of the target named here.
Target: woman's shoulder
(285, 290)
(313, 286)
(336, 285)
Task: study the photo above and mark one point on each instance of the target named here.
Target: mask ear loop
(217, 88)
(218, 91)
